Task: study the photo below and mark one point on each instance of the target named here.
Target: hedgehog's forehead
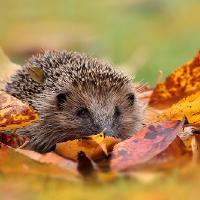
(99, 86)
(95, 79)
(99, 92)
(98, 76)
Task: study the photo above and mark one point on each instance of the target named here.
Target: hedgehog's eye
(131, 98)
(117, 112)
(83, 112)
(61, 99)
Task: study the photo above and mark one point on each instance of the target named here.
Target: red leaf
(144, 145)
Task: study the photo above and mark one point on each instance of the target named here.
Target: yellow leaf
(99, 139)
(187, 107)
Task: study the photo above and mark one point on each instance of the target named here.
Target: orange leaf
(92, 149)
(182, 82)
(21, 162)
(187, 107)
(144, 145)
(51, 158)
(13, 113)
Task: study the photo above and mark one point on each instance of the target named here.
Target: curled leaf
(36, 73)
(85, 166)
(14, 114)
(99, 139)
(92, 149)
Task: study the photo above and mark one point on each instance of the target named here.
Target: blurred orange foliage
(182, 82)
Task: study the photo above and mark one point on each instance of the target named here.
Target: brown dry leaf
(13, 140)
(195, 143)
(191, 139)
(182, 82)
(86, 167)
(14, 113)
(188, 107)
(186, 137)
(91, 172)
(91, 148)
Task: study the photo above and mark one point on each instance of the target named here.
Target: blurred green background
(139, 36)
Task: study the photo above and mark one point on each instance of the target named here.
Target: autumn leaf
(86, 167)
(195, 143)
(100, 140)
(144, 145)
(183, 82)
(13, 140)
(191, 138)
(13, 113)
(51, 158)
(188, 107)
(175, 155)
(16, 162)
(90, 147)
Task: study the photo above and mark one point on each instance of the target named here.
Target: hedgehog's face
(74, 114)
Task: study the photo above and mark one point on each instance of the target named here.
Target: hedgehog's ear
(61, 99)
(36, 73)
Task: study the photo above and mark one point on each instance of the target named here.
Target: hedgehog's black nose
(109, 132)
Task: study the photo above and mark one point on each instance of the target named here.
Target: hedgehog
(75, 95)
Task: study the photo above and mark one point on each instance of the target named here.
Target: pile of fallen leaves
(171, 138)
